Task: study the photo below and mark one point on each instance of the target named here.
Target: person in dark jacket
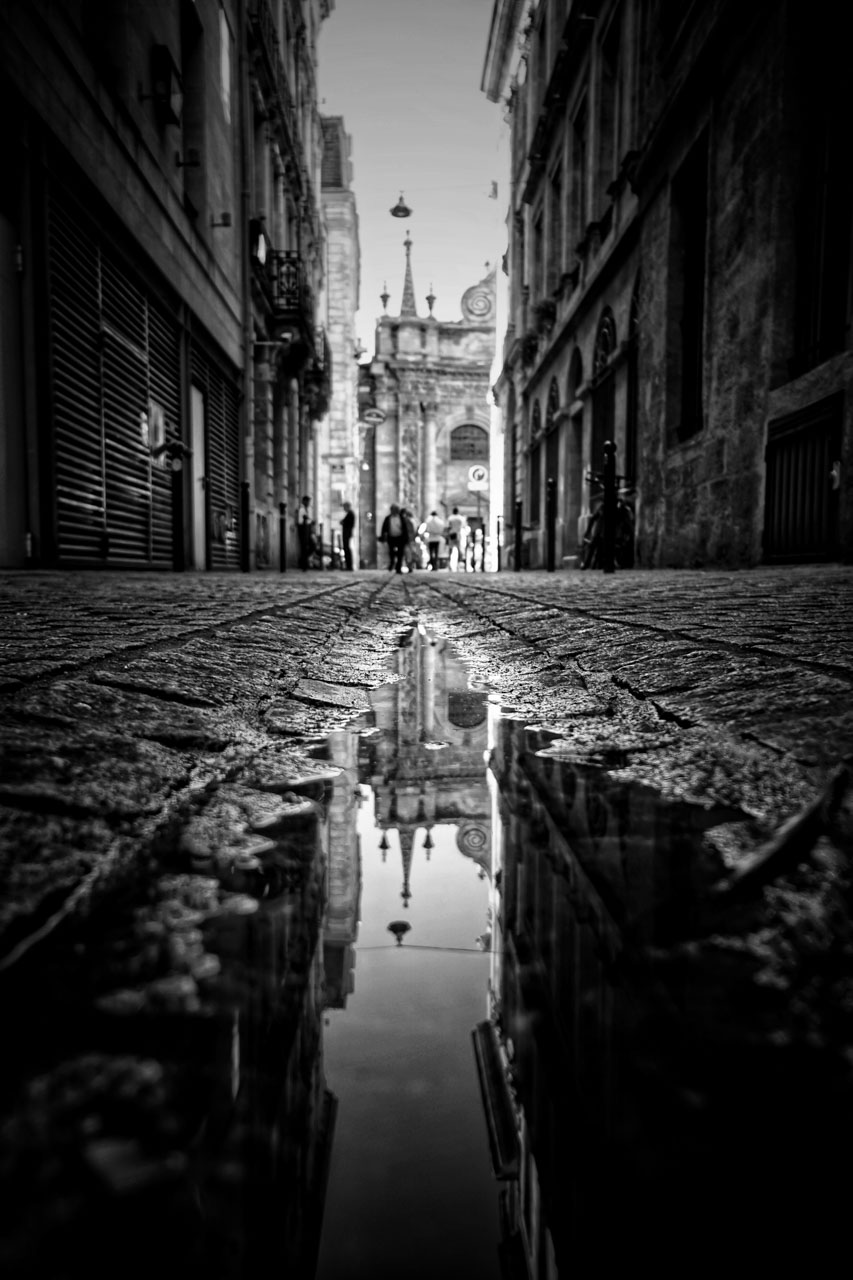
(393, 533)
(347, 526)
(304, 531)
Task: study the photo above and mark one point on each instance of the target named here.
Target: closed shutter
(164, 387)
(126, 454)
(801, 495)
(223, 461)
(115, 358)
(76, 386)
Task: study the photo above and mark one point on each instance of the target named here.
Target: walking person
(455, 526)
(347, 526)
(434, 530)
(393, 533)
(411, 551)
(304, 531)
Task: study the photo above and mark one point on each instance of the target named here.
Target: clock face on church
(478, 303)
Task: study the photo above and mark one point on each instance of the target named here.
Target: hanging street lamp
(401, 209)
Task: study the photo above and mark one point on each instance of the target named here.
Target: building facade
(427, 390)
(679, 274)
(162, 257)
(339, 462)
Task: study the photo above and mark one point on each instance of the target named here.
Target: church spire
(407, 840)
(407, 307)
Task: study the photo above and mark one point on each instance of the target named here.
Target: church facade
(425, 412)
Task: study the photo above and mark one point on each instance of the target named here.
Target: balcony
(282, 291)
(291, 296)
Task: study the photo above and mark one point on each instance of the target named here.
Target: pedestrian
(347, 526)
(434, 531)
(411, 551)
(304, 531)
(478, 553)
(393, 534)
(455, 526)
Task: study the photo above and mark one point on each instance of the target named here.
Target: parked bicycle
(592, 543)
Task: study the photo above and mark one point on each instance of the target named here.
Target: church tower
(430, 379)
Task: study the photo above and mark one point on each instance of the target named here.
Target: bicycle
(592, 543)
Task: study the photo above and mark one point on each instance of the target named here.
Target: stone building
(162, 260)
(338, 460)
(428, 382)
(679, 275)
(287, 357)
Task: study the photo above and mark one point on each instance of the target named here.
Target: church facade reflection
(425, 759)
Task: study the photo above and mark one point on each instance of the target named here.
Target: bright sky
(405, 76)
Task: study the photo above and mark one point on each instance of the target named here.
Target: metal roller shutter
(76, 387)
(223, 461)
(115, 356)
(126, 454)
(164, 389)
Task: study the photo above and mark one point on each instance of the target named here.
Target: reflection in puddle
(410, 1186)
(449, 878)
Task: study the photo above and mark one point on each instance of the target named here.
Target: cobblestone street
(157, 727)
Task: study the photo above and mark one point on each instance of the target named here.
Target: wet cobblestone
(159, 737)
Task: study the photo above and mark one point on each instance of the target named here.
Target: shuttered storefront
(802, 484)
(115, 366)
(221, 406)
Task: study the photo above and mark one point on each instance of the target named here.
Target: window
(225, 42)
(535, 470)
(578, 195)
(537, 273)
(469, 444)
(609, 108)
(534, 482)
(686, 292)
(824, 203)
(603, 407)
(575, 376)
(555, 229)
(193, 115)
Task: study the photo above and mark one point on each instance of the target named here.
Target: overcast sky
(405, 75)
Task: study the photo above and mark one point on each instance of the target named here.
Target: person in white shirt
(457, 536)
(433, 530)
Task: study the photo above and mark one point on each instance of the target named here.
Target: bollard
(517, 536)
(550, 523)
(499, 525)
(608, 509)
(282, 537)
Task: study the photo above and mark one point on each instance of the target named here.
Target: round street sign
(478, 476)
(373, 417)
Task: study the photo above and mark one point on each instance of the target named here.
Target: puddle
(426, 1031)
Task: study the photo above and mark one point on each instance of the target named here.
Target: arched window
(603, 407)
(469, 444)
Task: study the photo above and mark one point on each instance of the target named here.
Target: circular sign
(478, 476)
(373, 417)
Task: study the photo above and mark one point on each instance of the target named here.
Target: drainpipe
(245, 266)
